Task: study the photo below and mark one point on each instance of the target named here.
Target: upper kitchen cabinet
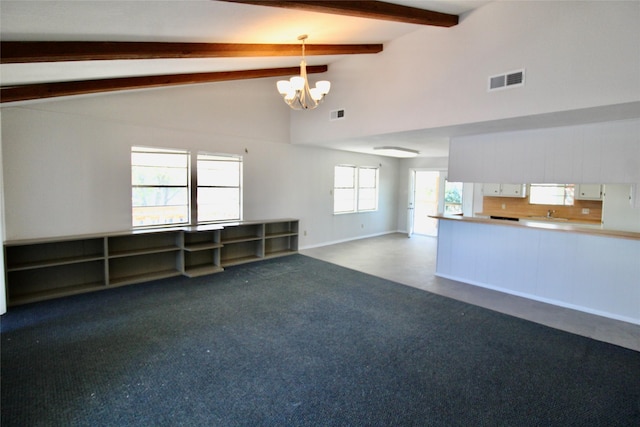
(588, 192)
(505, 190)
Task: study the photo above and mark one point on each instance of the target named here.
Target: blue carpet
(299, 342)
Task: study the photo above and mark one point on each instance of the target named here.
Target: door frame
(443, 174)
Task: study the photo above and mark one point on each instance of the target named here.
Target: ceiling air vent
(506, 81)
(337, 115)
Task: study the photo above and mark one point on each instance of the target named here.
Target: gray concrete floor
(412, 262)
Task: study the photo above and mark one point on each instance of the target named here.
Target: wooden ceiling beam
(363, 9)
(48, 51)
(50, 90)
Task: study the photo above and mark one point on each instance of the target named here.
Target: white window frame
(356, 188)
(189, 184)
(362, 187)
(215, 157)
(138, 164)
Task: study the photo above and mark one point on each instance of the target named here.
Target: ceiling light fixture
(296, 91)
(396, 152)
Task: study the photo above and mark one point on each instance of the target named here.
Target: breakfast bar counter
(583, 267)
(547, 224)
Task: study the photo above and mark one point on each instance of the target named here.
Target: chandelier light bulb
(316, 95)
(324, 86)
(297, 83)
(284, 86)
(290, 96)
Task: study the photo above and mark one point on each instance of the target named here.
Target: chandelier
(296, 91)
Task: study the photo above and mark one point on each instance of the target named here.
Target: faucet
(550, 213)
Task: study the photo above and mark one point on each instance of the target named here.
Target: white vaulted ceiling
(186, 21)
(212, 21)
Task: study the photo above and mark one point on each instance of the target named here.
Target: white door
(426, 196)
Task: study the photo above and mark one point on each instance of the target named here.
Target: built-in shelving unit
(142, 257)
(49, 268)
(201, 252)
(242, 243)
(281, 238)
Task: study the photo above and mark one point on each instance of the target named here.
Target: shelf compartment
(283, 228)
(54, 253)
(202, 262)
(242, 233)
(48, 282)
(140, 244)
(241, 252)
(279, 246)
(203, 240)
(141, 268)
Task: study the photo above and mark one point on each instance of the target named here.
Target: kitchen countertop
(546, 224)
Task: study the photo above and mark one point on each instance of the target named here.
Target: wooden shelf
(280, 253)
(57, 293)
(202, 246)
(147, 251)
(276, 235)
(145, 277)
(197, 271)
(241, 239)
(240, 260)
(53, 263)
(48, 268)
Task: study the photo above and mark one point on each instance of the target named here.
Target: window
(344, 189)
(552, 194)
(219, 192)
(367, 189)
(452, 198)
(159, 186)
(355, 189)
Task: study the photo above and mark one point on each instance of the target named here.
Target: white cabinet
(588, 192)
(505, 190)
(491, 189)
(513, 190)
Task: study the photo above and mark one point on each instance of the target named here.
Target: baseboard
(542, 299)
(335, 242)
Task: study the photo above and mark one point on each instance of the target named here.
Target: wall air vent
(507, 81)
(337, 115)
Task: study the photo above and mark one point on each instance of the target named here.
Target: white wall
(597, 153)
(67, 163)
(618, 213)
(577, 55)
(3, 294)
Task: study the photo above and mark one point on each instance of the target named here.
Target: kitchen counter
(547, 224)
(582, 267)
